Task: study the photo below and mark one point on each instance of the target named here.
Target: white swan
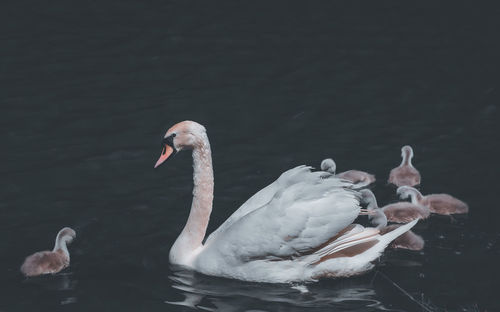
(358, 178)
(299, 228)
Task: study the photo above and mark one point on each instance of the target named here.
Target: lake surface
(89, 88)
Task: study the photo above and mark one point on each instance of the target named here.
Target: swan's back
(307, 212)
(300, 174)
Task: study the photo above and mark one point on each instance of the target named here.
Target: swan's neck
(60, 246)
(415, 196)
(407, 156)
(381, 219)
(191, 237)
(378, 218)
(372, 203)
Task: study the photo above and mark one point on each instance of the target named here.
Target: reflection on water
(208, 293)
(58, 288)
(58, 282)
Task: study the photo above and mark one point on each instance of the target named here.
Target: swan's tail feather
(353, 253)
(358, 235)
(392, 235)
(346, 244)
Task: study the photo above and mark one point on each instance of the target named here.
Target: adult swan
(299, 228)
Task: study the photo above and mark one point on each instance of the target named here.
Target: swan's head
(367, 197)
(405, 192)
(379, 219)
(407, 152)
(328, 165)
(66, 234)
(183, 135)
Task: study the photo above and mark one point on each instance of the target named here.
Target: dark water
(88, 88)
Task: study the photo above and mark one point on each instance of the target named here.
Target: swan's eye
(168, 141)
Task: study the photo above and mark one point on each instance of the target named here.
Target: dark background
(88, 88)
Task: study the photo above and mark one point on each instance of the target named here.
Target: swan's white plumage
(298, 217)
(281, 240)
(262, 197)
(299, 228)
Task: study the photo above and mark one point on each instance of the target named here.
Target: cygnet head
(368, 198)
(328, 165)
(378, 219)
(407, 154)
(405, 192)
(184, 135)
(66, 235)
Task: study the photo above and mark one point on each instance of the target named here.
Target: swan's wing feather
(297, 219)
(265, 195)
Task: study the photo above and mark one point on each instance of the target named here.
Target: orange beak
(167, 151)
